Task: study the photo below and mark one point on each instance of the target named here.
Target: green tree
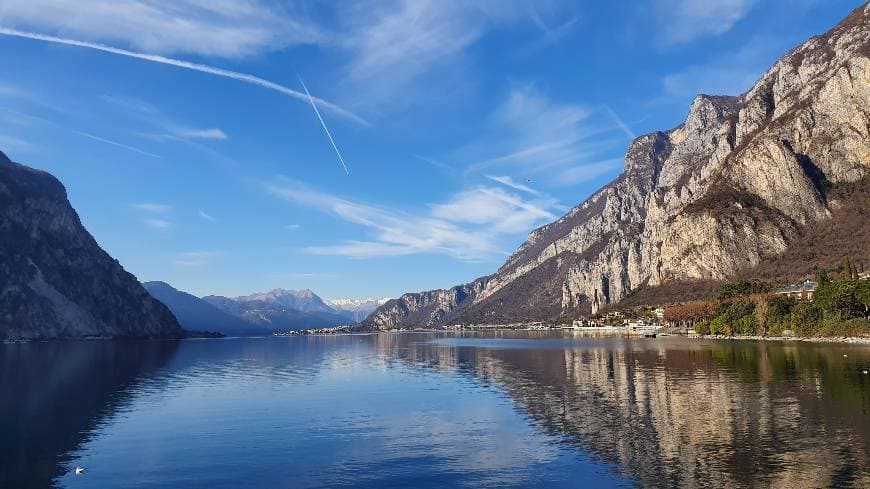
(838, 299)
(846, 269)
(862, 294)
(779, 307)
(719, 325)
(746, 325)
(822, 277)
(805, 318)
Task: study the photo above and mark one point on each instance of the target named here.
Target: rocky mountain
(743, 180)
(356, 309)
(55, 280)
(273, 315)
(198, 315)
(301, 300)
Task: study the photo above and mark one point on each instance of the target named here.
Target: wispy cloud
(509, 182)
(725, 74)
(158, 224)
(22, 118)
(292, 227)
(164, 127)
(501, 212)
(394, 43)
(152, 207)
(224, 28)
(468, 226)
(683, 21)
(546, 139)
(243, 77)
(437, 164)
(206, 216)
(213, 133)
(14, 144)
(197, 258)
(116, 143)
(590, 171)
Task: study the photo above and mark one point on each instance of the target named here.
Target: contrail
(619, 122)
(84, 134)
(235, 75)
(325, 129)
(115, 143)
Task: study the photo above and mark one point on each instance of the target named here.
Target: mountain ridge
(198, 315)
(57, 281)
(272, 313)
(357, 309)
(737, 183)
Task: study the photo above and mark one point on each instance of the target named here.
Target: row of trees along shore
(840, 307)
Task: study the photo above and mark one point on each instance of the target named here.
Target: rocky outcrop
(736, 183)
(56, 280)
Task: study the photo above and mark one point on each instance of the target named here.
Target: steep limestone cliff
(55, 280)
(735, 184)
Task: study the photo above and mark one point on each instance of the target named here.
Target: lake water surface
(434, 410)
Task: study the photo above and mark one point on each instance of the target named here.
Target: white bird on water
(80, 470)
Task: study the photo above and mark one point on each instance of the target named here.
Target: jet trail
(235, 75)
(325, 129)
(115, 143)
(620, 123)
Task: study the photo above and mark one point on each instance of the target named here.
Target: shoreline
(851, 340)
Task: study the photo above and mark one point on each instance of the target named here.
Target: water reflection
(498, 409)
(686, 413)
(52, 395)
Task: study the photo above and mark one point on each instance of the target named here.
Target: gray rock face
(735, 183)
(56, 280)
(301, 300)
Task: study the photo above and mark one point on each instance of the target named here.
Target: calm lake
(434, 410)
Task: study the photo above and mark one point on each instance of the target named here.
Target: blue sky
(464, 125)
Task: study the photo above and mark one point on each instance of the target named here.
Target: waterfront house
(802, 291)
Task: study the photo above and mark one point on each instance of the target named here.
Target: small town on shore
(833, 303)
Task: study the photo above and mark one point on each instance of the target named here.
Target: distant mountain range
(301, 300)
(356, 309)
(199, 315)
(260, 313)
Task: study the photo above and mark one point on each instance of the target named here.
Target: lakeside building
(803, 291)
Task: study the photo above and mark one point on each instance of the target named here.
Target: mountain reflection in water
(540, 409)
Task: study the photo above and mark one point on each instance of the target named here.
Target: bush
(743, 288)
(840, 299)
(779, 308)
(746, 325)
(719, 325)
(805, 318)
(775, 328)
(702, 327)
(851, 327)
(862, 293)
